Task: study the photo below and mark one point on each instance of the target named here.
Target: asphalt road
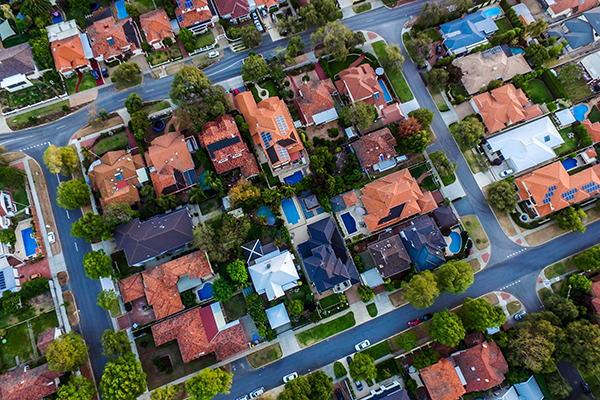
(572, 375)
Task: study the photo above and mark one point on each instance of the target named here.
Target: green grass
(205, 40)
(19, 195)
(503, 26)
(337, 66)
(362, 8)
(270, 178)
(202, 362)
(577, 89)
(127, 85)
(419, 170)
(513, 307)
(326, 330)
(157, 57)
(448, 179)
(87, 82)
(43, 322)
(175, 51)
(594, 383)
(396, 79)
(594, 115)
(329, 301)
(433, 35)
(372, 310)
(377, 351)
(265, 356)
(569, 145)
(429, 183)
(235, 307)
(13, 122)
(339, 370)
(161, 105)
(114, 142)
(457, 89)
(386, 369)
(475, 230)
(17, 344)
(560, 268)
(144, 6)
(267, 85)
(538, 92)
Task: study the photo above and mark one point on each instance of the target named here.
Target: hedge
(555, 87)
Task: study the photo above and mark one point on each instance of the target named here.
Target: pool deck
(358, 218)
(19, 251)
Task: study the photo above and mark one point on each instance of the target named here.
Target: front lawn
(377, 351)
(87, 82)
(118, 141)
(158, 106)
(175, 51)
(372, 310)
(386, 369)
(202, 362)
(362, 8)
(265, 356)
(31, 95)
(594, 115)
(126, 85)
(538, 92)
(267, 85)
(323, 331)
(337, 66)
(156, 57)
(475, 230)
(569, 145)
(329, 301)
(15, 121)
(503, 26)
(204, 40)
(396, 79)
(235, 307)
(577, 90)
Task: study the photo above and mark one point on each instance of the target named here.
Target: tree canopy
(97, 264)
(251, 37)
(208, 383)
(92, 227)
(437, 79)
(478, 315)
(237, 272)
(67, 353)
(319, 12)
(447, 328)
(455, 276)
(133, 103)
(165, 393)
(426, 358)
(469, 132)
(337, 39)
(393, 58)
(407, 341)
(502, 196)
(78, 388)
(423, 115)
(416, 143)
(571, 219)
(115, 344)
(362, 367)
(421, 290)
(127, 72)
(254, 68)
(360, 114)
(123, 379)
(588, 261)
(61, 160)
(222, 289)
(73, 194)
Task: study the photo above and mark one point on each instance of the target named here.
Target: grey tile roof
(16, 60)
(581, 33)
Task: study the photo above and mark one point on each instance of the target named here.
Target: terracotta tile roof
(156, 25)
(591, 152)
(101, 31)
(195, 265)
(45, 338)
(226, 148)
(593, 129)
(504, 106)
(393, 198)
(596, 300)
(267, 3)
(442, 381)
(233, 8)
(483, 366)
(350, 198)
(170, 157)
(391, 113)
(360, 83)
(375, 147)
(68, 54)
(271, 127)
(316, 98)
(16, 60)
(116, 177)
(199, 12)
(576, 6)
(33, 384)
(474, 339)
(566, 189)
(132, 288)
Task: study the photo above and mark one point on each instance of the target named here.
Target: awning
(5, 30)
(85, 43)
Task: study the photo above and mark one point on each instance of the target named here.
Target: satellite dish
(379, 71)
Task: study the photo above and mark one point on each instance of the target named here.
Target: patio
(140, 314)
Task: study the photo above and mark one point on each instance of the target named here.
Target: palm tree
(262, 219)
(197, 195)
(537, 27)
(287, 190)
(40, 8)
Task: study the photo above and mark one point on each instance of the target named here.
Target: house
(270, 5)
(156, 27)
(376, 151)
(393, 198)
(326, 260)
(7, 209)
(170, 164)
(132, 288)
(442, 381)
(566, 8)
(225, 146)
(111, 39)
(278, 316)
(481, 68)
(524, 13)
(8, 277)
(22, 383)
(46, 337)
(593, 129)
(272, 129)
(424, 243)
(595, 288)
(194, 15)
(143, 241)
(117, 176)
(578, 32)
(69, 49)
(504, 106)
(551, 188)
(528, 390)
(202, 331)
(482, 366)
(274, 273)
(390, 256)
(315, 103)
(444, 217)
(17, 68)
(591, 64)
(233, 10)
(467, 32)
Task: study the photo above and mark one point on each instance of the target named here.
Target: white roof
(565, 117)
(7, 276)
(13, 80)
(5, 30)
(528, 145)
(371, 277)
(325, 116)
(274, 273)
(523, 10)
(277, 316)
(511, 394)
(591, 64)
(62, 30)
(529, 390)
(87, 48)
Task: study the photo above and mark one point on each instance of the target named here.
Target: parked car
(104, 72)
(257, 392)
(348, 360)
(51, 237)
(339, 395)
(288, 12)
(290, 377)
(95, 73)
(31, 277)
(273, 17)
(586, 387)
(264, 12)
(236, 91)
(426, 317)
(520, 315)
(244, 397)
(213, 54)
(259, 26)
(362, 345)
(254, 16)
(438, 50)
(359, 385)
(506, 172)
(414, 322)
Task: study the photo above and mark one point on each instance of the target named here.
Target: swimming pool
(580, 111)
(266, 212)
(456, 243)
(294, 178)
(29, 242)
(290, 211)
(569, 163)
(205, 292)
(386, 94)
(56, 19)
(516, 50)
(492, 12)
(121, 11)
(349, 222)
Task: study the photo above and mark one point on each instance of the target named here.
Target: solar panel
(281, 124)
(553, 187)
(546, 201)
(178, 3)
(267, 138)
(180, 18)
(2, 281)
(189, 4)
(283, 153)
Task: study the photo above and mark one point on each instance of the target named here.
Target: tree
(222, 289)
(319, 12)
(296, 389)
(221, 235)
(537, 54)
(478, 315)
(571, 219)
(322, 161)
(117, 213)
(255, 68)
(78, 388)
(108, 299)
(408, 127)
(123, 379)
(461, 6)
(295, 46)
(208, 383)
(128, 72)
(455, 276)
(537, 27)
(244, 194)
(431, 12)
(558, 386)
(139, 124)
(97, 265)
(296, 307)
(256, 308)
(362, 367)
(91, 227)
(569, 73)
(421, 290)
(132, 11)
(437, 79)
(583, 343)
(419, 47)
(7, 236)
(588, 261)
(166, 393)
(12, 177)
(407, 341)
(288, 191)
(416, 143)
(447, 328)
(166, 202)
(321, 384)
(67, 353)
(61, 160)
(11, 302)
(469, 132)
(251, 37)
(563, 308)
(426, 358)
(115, 344)
(423, 115)
(501, 195)
(578, 286)
(133, 103)
(337, 39)
(393, 59)
(38, 7)
(237, 272)
(583, 136)
(40, 48)
(360, 114)
(73, 194)
(533, 346)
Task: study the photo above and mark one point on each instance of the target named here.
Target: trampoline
(94, 6)
(158, 125)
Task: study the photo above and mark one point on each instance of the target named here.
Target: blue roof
(424, 243)
(468, 30)
(581, 33)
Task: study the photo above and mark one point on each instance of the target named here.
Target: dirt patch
(83, 98)
(71, 308)
(398, 299)
(491, 298)
(505, 223)
(534, 6)
(543, 235)
(41, 188)
(321, 131)
(112, 122)
(43, 301)
(475, 265)
(63, 278)
(12, 157)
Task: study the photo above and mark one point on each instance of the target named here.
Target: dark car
(414, 322)
(438, 50)
(95, 73)
(104, 72)
(348, 360)
(339, 395)
(426, 317)
(586, 387)
(359, 385)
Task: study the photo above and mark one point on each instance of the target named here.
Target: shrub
(65, 108)
(339, 370)
(366, 293)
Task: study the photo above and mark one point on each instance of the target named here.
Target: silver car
(213, 54)
(257, 392)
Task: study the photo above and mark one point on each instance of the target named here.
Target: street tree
(563, 308)
(366, 293)
(319, 12)
(61, 160)
(416, 143)
(115, 344)
(588, 261)
(337, 39)
(583, 342)
(12, 177)
(251, 37)
(78, 388)
(469, 132)
(558, 386)
(237, 272)
(97, 264)
(571, 219)
(423, 115)
(578, 285)
(537, 54)
(222, 289)
(360, 114)
(73, 194)
(255, 68)
(67, 353)
(126, 73)
(208, 383)
(431, 12)
(296, 389)
(118, 213)
(455, 276)
(296, 307)
(408, 127)
(501, 196)
(533, 347)
(447, 328)
(478, 315)
(570, 72)
(437, 79)
(165, 393)
(92, 228)
(362, 367)
(140, 124)
(426, 358)
(133, 103)
(407, 341)
(322, 385)
(108, 299)
(295, 46)
(393, 59)
(123, 379)
(421, 290)
(419, 47)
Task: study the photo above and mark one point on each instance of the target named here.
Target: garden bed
(44, 114)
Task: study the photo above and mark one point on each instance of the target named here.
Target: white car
(259, 26)
(362, 345)
(290, 377)
(506, 172)
(51, 237)
(213, 54)
(257, 392)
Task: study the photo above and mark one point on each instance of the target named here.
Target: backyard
(87, 82)
(538, 92)
(503, 26)
(577, 90)
(594, 115)
(396, 79)
(235, 307)
(569, 145)
(323, 331)
(144, 6)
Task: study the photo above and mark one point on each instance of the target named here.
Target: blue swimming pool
(294, 178)
(56, 19)
(206, 292)
(121, 11)
(266, 212)
(516, 50)
(569, 163)
(492, 12)
(349, 222)
(29, 242)
(580, 111)
(456, 242)
(386, 94)
(290, 211)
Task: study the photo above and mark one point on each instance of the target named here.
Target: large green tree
(91, 227)
(534, 345)
(133, 103)
(571, 219)
(360, 114)
(582, 340)
(115, 344)
(431, 12)
(537, 54)
(502, 196)
(37, 7)
(123, 379)
(78, 388)
(362, 367)
(426, 358)
(40, 48)
(108, 299)
(469, 132)
(7, 236)
(208, 383)
(322, 385)
(447, 328)
(254, 68)
(563, 308)
(128, 72)
(416, 143)
(251, 37)
(97, 264)
(319, 12)
(61, 160)
(139, 124)
(424, 116)
(337, 38)
(478, 315)
(455, 276)
(437, 79)
(73, 194)
(67, 353)
(296, 389)
(222, 289)
(421, 290)
(165, 393)
(237, 272)
(256, 308)
(407, 341)
(588, 261)
(419, 47)
(393, 58)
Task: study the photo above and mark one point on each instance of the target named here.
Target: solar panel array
(267, 138)
(283, 153)
(281, 124)
(590, 187)
(547, 200)
(178, 3)
(2, 281)
(189, 4)
(180, 18)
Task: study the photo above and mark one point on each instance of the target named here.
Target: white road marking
(68, 216)
(516, 252)
(60, 127)
(58, 179)
(510, 284)
(150, 90)
(76, 248)
(7, 141)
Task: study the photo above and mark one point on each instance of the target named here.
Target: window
(376, 96)
(237, 155)
(222, 161)
(110, 41)
(119, 177)
(547, 138)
